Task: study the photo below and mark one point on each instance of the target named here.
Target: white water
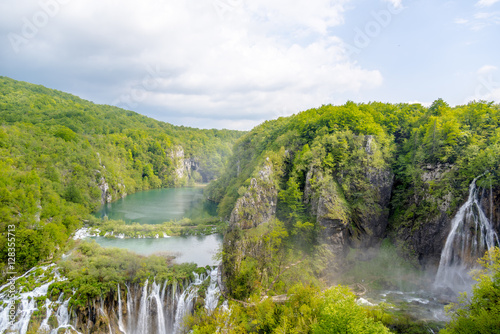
(142, 326)
(153, 308)
(185, 302)
(26, 301)
(213, 292)
(470, 236)
(120, 312)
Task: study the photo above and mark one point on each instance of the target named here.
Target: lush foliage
(305, 310)
(415, 143)
(93, 271)
(61, 157)
(185, 226)
(336, 154)
(481, 312)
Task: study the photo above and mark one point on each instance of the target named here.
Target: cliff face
(430, 209)
(250, 220)
(345, 222)
(187, 169)
(258, 203)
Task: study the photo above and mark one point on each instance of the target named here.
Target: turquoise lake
(158, 206)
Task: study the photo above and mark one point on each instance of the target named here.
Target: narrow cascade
(120, 313)
(45, 323)
(213, 292)
(142, 326)
(25, 302)
(185, 303)
(155, 294)
(130, 302)
(470, 236)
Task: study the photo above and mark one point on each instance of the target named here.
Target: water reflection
(160, 205)
(197, 249)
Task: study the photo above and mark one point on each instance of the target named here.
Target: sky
(235, 63)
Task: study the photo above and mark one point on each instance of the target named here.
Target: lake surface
(160, 205)
(197, 249)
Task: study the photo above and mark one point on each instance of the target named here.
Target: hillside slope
(63, 157)
(346, 177)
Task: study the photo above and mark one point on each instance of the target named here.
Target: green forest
(300, 199)
(59, 152)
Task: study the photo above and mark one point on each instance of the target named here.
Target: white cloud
(480, 20)
(487, 86)
(486, 69)
(395, 3)
(486, 3)
(258, 59)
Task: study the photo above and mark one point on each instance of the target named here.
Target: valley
(361, 218)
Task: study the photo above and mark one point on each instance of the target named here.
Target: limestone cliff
(187, 169)
(258, 203)
(348, 221)
(434, 202)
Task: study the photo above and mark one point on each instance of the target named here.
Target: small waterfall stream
(470, 236)
(151, 308)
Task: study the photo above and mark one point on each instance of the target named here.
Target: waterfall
(155, 308)
(130, 302)
(45, 323)
(142, 326)
(120, 313)
(186, 301)
(213, 292)
(26, 301)
(470, 236)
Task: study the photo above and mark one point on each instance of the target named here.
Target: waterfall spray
(470, 236)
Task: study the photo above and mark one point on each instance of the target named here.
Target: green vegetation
(93, 272)
(290, 179)
(59, 153)
(333, 167)
(306, 310)
(185, 226)
(479, 313)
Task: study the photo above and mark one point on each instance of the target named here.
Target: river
(158, 206)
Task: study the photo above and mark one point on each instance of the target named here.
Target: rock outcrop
(258, 203)
(184, 168)
(345, 225)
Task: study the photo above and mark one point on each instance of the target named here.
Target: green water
(160, 205)
(197, 249)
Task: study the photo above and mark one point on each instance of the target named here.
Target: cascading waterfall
(26, 301)
(120, 313)
(142, 326)
(155, 294)
(153, 308)
(470, 236)
(213, 292)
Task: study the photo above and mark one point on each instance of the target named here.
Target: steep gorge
(356, 180)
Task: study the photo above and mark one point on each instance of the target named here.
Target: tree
(340, 313)
(481, 313)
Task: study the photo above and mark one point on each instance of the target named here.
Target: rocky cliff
(258, 204)
(423, 229)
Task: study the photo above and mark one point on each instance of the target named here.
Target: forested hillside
(62, 157)
(338, 194)
(346, 177)
(351, 193)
